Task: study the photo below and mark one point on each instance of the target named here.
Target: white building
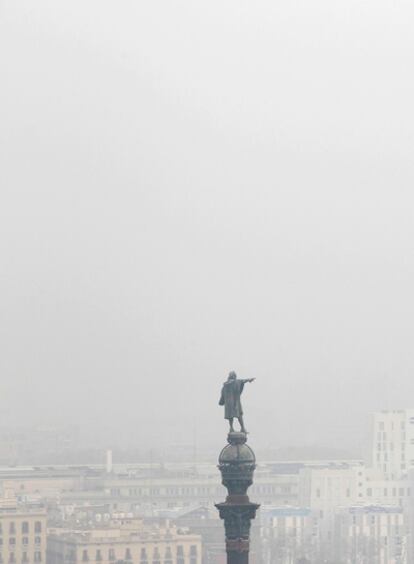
(372, 534)
(288, 534)
(325, 489)
(392, 447)
(386, 492)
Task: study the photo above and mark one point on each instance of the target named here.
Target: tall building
(22, 533)
(392, 447)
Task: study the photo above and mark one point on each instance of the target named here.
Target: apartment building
(374, 534)
(392, 448)
(289, 534)
(22, 533)
(126, 540)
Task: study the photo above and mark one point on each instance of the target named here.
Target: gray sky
(192, 187)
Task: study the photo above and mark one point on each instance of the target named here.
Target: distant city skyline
(188, 191)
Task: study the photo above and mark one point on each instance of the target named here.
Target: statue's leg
(242, 427)
(231, 425)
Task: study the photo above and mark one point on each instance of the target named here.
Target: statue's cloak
(230, 398)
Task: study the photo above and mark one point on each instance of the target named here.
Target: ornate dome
(237, 453)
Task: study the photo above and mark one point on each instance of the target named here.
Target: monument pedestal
(237, 463)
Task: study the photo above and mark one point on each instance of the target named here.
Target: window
(85, 556)
(156, 556)
(11, 557)
(24, 557)
(143, 557)
(38, 527)
(12, 528)
(38, 540)
(25, 528)
(193, 554)
(98, 556)
(111, 554)
(25, 541)
(128, 554)
(168, 557)
(12, 540)
(180, 555)
(37, 556)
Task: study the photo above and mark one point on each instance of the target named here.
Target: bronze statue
(230, 398)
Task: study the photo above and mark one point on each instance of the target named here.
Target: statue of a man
(230, 398)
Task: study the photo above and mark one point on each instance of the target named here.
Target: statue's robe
(230, 398)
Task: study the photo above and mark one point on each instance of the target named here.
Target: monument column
(237, 463)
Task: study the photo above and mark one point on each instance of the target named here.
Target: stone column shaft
(237, 464)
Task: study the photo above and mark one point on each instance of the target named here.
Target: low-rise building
(22, 533)
(289, 534)
(127, 540)
(374, 534)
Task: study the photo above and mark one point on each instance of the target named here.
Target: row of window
(402, 424)
(403, 466)
(392, 492)
(392, 447)
(25, 540)
(25, 527)
(201, 490)
(392, 458)
(37, 557)
(373, 519)
(156, 556)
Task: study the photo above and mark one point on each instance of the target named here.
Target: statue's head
(232, 376)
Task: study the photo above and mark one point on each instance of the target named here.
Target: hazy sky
(193, 187)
